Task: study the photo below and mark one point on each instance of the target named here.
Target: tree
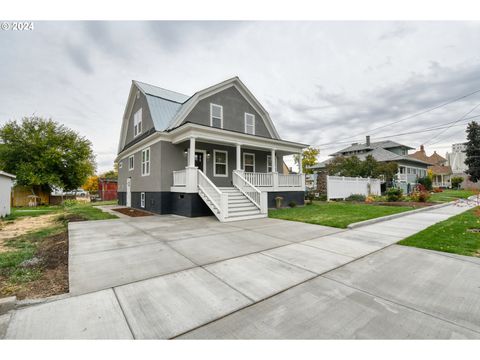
(472, 151)
(111, 174)
(456, 181)
(43, 153)
(309, 158)
(352, 166)
(91, 185)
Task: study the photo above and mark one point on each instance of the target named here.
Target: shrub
(426, 181)
(322, 197)
(456, 181)
(309, 203)
(309, 195)
(420, 196)
(370, 199)
(437, 190)
(292, 204)
(394, 194)
(70, 203)
(356, 197)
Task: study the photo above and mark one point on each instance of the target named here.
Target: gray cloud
(78, 54)
(399, 31)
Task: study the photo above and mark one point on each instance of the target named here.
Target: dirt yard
(132, 212)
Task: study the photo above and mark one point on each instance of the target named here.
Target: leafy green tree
(352, 166)
(472, 151)
(309, 158)
(43, 153)
(456, 181)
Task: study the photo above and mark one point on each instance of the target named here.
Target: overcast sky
(322, 82)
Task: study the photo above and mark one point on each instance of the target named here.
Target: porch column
(300, 163)
(191, 155)
(274, 161)
(239, 157)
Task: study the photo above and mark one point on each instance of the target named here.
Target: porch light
(208, 154)
(185, 152)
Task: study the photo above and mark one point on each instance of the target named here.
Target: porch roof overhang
(208, 134)
(229, 137)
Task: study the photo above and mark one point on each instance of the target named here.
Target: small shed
(6, 183)
(107, 189)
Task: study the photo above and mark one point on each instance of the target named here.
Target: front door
(129, 192)
(200, 160)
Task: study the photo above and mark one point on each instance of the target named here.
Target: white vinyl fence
(340, 187)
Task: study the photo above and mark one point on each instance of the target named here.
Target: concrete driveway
(166, 277)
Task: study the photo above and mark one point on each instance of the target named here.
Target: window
(220, 163)
(216, 116)
(269, 163)
(146, 162)
(249, 124)
(137, 123)
(130, 163)
(142, 200)
(248, 162)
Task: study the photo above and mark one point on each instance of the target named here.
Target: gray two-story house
(216, 151)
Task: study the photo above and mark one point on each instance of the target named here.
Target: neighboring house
(107, 189)
(409, 169)
(6, 184)
(441, 172)
(215, 151)
(456, 160)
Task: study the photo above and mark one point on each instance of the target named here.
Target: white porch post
(191, 155)
(239, 157)
(191, 170)
(274, 169)
(300, 163)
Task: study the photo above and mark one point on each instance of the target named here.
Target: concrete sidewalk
(164, 276)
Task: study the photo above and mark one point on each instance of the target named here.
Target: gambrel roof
(169, 108)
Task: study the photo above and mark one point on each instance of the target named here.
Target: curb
(7, 304)
(394, 216)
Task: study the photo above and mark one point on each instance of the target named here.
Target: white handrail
(259, 179)
(256, 196)
(218, 199)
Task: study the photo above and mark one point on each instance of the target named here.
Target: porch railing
(258, 197)
(180, 178)
(259, 179)
(218, 199)
(291, 180)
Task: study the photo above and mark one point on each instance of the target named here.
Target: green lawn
(28, 211)
(450, 195)
(336, 214)
(450, 235)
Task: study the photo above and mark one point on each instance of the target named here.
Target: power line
(463, 117)
(416, 114)
(442, 126)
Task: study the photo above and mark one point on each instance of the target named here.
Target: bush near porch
(336, 214)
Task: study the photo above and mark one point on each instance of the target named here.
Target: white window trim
(142, 200)
(204, 159)
(215, 163)
(133, 163)
(136, 122)
(245, 120)
(211, 115)
(144, 162)
(120, 164)
(271, 164)
(245, 153)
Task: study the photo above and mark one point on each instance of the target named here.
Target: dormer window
(216, 116)
(249, 124)
(137, 123)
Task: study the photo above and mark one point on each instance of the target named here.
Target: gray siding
(234, 108)
(151, 182)
(147, 122)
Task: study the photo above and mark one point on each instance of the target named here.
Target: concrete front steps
(239, 206)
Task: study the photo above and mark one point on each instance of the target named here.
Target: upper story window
(146, 162)
(249, 123)
(130, 163)
(137, 123)
(216, 116)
